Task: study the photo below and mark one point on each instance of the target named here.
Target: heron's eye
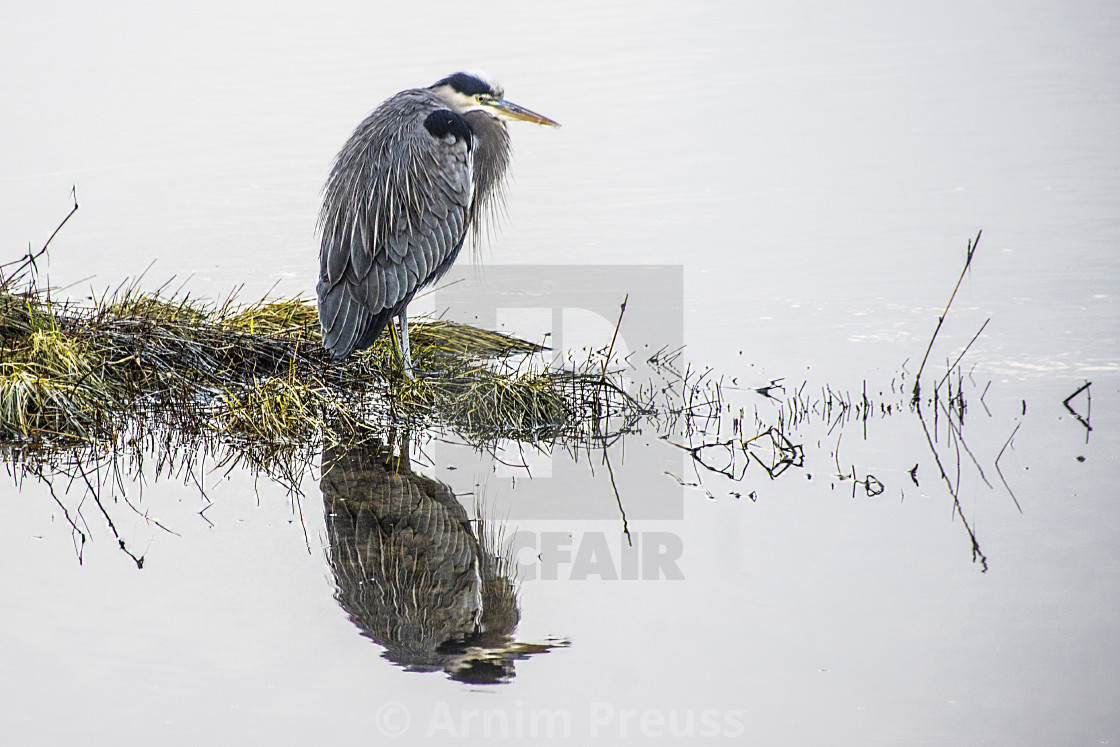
(480, 99)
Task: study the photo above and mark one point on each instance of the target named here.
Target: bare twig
(1000, 472)
(30, 259)
(1084, 420)
(966, 347)
(614, 337)
(941, 319)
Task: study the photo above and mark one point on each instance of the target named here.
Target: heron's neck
(490, 154)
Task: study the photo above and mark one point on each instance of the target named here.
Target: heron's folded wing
(395, 212)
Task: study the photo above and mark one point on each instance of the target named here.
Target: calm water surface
(789, 191)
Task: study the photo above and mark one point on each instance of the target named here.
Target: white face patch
(457, 102)
(462, 103)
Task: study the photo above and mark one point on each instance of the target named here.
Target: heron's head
(475, 91)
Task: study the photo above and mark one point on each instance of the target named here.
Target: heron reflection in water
(412, 573)
(422, 171)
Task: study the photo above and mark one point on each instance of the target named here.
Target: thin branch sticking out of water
(972, 244)
(1083, 419)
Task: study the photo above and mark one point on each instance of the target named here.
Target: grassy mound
(91, 372)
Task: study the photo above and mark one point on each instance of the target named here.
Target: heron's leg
(406, 354)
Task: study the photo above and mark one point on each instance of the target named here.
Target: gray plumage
(415, 177)
(412, 572)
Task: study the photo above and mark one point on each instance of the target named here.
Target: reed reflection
(412, 572)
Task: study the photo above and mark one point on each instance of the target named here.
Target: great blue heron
(415, 177)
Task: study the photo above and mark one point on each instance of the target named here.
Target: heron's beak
(510, 110)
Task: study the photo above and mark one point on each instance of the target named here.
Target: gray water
(813, 173)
